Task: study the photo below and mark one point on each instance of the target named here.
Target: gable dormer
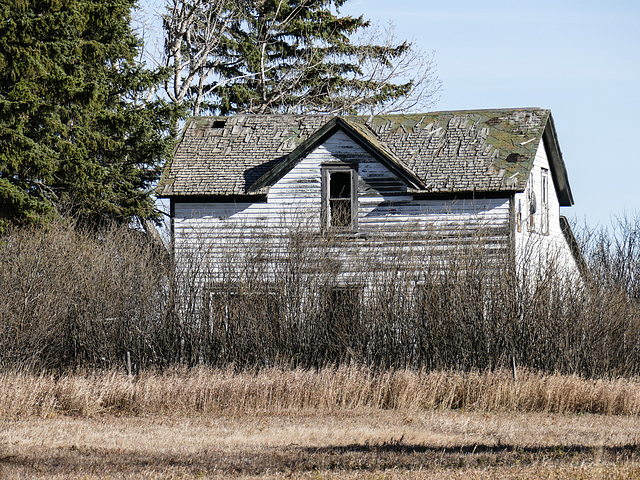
(359, 134)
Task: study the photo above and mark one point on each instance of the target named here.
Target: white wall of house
(390, 222)
(540, 244)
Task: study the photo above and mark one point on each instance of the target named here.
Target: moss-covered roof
(439, 152)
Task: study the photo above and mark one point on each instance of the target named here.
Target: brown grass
(345, 444)
(336, 423)
(213, 391)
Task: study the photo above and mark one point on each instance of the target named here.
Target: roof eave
(556, 163)
(166, 181)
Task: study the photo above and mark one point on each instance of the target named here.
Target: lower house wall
(223, 242)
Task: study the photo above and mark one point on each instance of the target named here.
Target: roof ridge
(379, 115)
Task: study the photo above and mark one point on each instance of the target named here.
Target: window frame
(326, 219)
(532, 205)
(544, 201)
(342, 305)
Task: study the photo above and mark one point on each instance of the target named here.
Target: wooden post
(515, 374)
(128, 363)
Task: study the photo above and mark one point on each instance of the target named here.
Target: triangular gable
(359, 134)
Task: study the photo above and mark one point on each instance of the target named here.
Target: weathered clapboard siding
(390, 221)
(540, 245)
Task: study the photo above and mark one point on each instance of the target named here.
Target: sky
(580, 59)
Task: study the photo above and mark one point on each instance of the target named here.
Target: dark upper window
(340, 207)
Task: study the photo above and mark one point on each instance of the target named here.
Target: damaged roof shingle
(448, 152)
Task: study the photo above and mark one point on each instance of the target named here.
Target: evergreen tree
(75, 129)
(286, 56)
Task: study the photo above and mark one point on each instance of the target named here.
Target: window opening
(544, 201)
(531, 196)
(228, 306)
(342, 308)
(339, 197)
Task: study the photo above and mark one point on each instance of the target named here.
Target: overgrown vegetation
(74, 298)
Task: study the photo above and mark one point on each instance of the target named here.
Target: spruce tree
(75, 131)
(289, 56)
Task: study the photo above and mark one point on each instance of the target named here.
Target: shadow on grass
(499, 448)
(293, 458)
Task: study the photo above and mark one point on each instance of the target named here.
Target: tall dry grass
(203, 391)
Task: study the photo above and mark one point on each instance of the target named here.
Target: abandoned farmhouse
(490, 179)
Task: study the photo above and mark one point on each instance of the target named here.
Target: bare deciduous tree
(193, 30)
(248, 56)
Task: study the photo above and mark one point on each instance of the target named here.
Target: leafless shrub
(73, 297)
(316, 300)
(78, 299)
(613, 255)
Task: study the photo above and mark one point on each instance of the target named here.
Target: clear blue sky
(581, 59)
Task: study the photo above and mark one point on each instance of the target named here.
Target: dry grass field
(350, 424)
(317, 444)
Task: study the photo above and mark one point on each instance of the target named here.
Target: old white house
(371, 182)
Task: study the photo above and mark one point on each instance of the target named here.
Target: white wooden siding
(536, 249)
(390, 221)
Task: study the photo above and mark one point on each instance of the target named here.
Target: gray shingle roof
(449, 152)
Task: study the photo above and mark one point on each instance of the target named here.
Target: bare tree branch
(193, 31)
(249, 56)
